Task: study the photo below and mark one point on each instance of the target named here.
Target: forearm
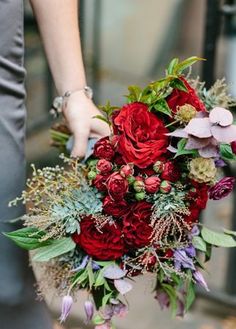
(58, 24)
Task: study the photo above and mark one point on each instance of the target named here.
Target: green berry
(140, 196)
(92, 175)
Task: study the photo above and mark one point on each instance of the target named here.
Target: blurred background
(130, 42)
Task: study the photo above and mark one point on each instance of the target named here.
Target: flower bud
(139, 186)
(165, 187)
(158, 167)
(89, 310)
(131, 180)
(104, 166)
(152, 184)
(127, 170)
(67, 303)
(140, 196)
(92, 175)
(233, 147)
(92, 162)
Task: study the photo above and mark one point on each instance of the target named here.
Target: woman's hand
(79, 114)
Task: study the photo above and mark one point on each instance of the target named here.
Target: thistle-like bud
(139, 186)
(158, 167)
(165, 187)
(185, 113)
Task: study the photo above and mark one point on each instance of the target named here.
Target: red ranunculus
(103, 149)
(117, 186)
(137, 230)
(199, 195)
(152, 184)
(100, 182)
(104, 244)
(179, 98)
(142, 138)
(170, 172)
(104, 166)
(194, 214)
(116, 208)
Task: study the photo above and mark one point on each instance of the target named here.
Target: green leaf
(135, 93)
(57, 248)
(162, 106)
(28, 238)
(178, 84)
(100, 280)
(217, 239)
(187, 63)
(208, 252)
(190, 296)
(80, 277)
(172, 66)
(102, 118)
(229, 232)
(199, 243)
(181, 150)
(98, 320)
(106, 298)
(226, 152)
(90, 275)
(171, 292)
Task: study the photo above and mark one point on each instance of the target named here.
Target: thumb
(80, 143)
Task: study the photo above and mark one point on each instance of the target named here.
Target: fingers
(99, 128)
(81, 137)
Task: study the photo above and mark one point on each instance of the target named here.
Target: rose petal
(197, 143)
(209, 151)
(221, 116)
(199, 127)
(178, 133)
(123, 286)
(224, 134)
(113, 272)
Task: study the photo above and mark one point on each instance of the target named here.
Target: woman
(58, 24)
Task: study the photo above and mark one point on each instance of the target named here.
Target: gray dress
(18, 306)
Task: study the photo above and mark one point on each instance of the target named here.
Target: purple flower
(181, 259)
(120, 310)
(195, 231)
(66, 305)
(222, 188)
(89, 310)
(219, 163)
(200, 279)
(163, 299)
(190, 251)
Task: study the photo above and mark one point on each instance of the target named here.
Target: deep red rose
(179, 98)
(199, 194)
(107, 244)
(100, 182)
(117, 186)
(103, 149)
(194, 214)
(170, 172)
(137, 230)
(104, 166)
(222, 188)
(142, 138)
(152, 184)
(116, 208)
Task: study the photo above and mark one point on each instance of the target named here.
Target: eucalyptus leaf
(217, 239)
(28, 238)
(57, 248)
(199, 243)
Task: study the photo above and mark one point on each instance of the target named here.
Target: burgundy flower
(104, 166)
(152, 184)
(116, 208)
(103, 149)
(222, 188)
(170, 172)
(117, 186)
(100, 182)
(233, 147)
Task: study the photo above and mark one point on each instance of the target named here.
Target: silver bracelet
(60, 102)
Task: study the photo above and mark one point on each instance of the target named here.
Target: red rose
(115, 208)
(233, 147)
(137, 230)
(107, 244)
(194, 214)
(104, 166)
(179, 98)
(170, 172)
(142, 135)
(117, 186)
(100, 182)
(199, 194)
(152, 184)
(103, 149)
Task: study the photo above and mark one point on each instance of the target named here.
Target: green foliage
(199, 243)
(55, 249)
(162, 106)
(176, 68)
(190, 295)
(28, 238)
(217, 239)
(181, 149)
(107, 111)
(226, 152)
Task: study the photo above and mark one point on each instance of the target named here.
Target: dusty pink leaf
(221, 116)
(195, 143)
(113, 272)
(178, 133)
(172, 149)
(224, 134)
(199, 128)
(209, 151)
(123, 286)
(202, 114)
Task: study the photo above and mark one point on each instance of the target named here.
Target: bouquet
(133, 206)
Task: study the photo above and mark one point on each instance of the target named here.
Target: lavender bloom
(181, 259)
(195, 230)
(89, 310)
(67, 303)
(163, 299)
(219, 163)
(200, 279)
(120, 310)
(84, 263)
(190, 251)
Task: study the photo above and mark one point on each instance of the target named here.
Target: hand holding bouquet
(133, 207)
